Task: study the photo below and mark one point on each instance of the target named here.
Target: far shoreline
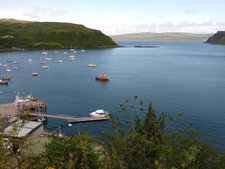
(55, 48)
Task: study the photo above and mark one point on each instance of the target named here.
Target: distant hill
(27, 34)
(162, 36)
(218, 38)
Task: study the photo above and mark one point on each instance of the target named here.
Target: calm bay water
(186, 77)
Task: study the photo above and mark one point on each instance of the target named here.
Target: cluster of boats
(101, 77)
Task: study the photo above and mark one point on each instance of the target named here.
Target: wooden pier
(69, 118)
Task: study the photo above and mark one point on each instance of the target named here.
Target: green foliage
(143, 140)
(217, 38)
(147, 143)
(50, 34)
(68, 152)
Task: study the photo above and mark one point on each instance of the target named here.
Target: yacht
(3, 82)
(8, 70)
(60, 61)
(72, 56)
(45, 66)
(30, 60)
(44, 52)
(48, 58)
(5, 77)
(99, 113)
(91, 65)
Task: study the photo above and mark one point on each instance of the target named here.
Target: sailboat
(45, 66)
(65, 52)
(30, 60)
(10, 58)
(48, 58)
(42, 61)
(91, 64)
(44, 52)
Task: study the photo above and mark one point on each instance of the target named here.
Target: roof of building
(19, 130)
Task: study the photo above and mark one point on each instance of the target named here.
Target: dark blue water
(186, 77)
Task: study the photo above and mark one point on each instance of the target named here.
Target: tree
(146, 142)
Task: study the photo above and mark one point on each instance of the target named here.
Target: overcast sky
(124, 16)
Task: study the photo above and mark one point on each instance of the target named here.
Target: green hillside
(218, 38)
(162, 37)
(27, 34)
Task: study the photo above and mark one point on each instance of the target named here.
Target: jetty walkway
(69, 118)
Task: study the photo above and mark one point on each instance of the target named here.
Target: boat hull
(102, 79)
(4, 83)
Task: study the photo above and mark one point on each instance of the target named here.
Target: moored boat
(48, 58)
(3, 82)
(91, 65)
(35, 74)
(99, 113)
(5, 77)
(45, 66)
(72, 56)
(30, 60)
(102, 77)
(15, 62)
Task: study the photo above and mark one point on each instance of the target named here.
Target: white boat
(91, 65)
(8, 70)
(65, 53)
(72, 56)
(5, 65)
(60, 61)
(99, 113)
(82, 50)
(74, 51)
(44, 52)
(30, 60)
(45, 66)
(48, 58)
(28, 98)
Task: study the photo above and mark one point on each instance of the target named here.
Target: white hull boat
(99, 113)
